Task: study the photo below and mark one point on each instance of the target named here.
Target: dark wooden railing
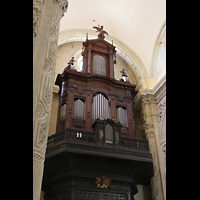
(132, 143)
(86, 137)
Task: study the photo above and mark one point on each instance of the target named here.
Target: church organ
(95, 133)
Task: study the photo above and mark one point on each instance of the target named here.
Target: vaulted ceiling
(136, 23)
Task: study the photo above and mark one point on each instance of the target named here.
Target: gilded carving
(102, 182)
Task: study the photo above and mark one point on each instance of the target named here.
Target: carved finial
(70, 63)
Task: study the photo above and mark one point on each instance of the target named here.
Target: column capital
(37, 12)
(62, 4)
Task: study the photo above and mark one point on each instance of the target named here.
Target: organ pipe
(100, 107)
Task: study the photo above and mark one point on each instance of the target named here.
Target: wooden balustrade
(132, 143)
(86, 137)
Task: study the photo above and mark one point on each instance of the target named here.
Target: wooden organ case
(95, 133)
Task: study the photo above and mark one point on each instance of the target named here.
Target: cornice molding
(154, 95)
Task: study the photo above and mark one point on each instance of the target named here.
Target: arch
(78, 58)
(137, 66)
(159, 55)
(100, 92)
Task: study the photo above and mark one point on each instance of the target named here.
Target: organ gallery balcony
(84, 142)
(80, 152)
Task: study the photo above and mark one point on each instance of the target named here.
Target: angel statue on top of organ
(101, 31)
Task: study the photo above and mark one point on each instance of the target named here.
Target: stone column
(45, 38)
(148, 106)
(156, 184)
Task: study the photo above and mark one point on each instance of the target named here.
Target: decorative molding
(63, 5)
(71, 87)
(120, 99)
(43, 107)
(37, 12)
(89, 91)
(154, 95)
(162, 108)
(43, 133)
(40, 110)
(38, 158)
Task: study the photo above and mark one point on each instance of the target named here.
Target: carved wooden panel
(84, 195)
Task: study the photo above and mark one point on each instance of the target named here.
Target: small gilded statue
(101, 31)
(70, 63)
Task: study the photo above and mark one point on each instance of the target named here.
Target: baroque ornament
(102, 182)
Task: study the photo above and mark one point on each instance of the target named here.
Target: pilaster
(45, 48)
(147, 102)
